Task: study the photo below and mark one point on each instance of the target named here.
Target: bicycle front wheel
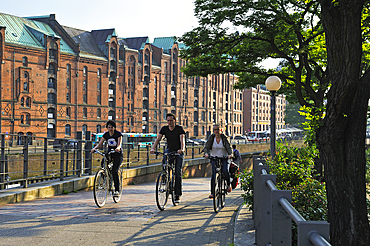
(100, 188)
(120, 177)
(223, 191)
(162, 190)
(217, 193)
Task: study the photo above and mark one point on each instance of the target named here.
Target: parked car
(240, 138)
(191, 142)
(200, 141)
(70, 144)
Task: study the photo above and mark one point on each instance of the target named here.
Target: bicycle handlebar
(173, 153)
(101, 153)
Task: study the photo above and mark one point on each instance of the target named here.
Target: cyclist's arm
(182, 141)
(99, 145)
(119, 144)
(159, 137)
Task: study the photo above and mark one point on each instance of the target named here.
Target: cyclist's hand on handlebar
(206, 155)
(230, 156)
(152, 151)
(92, 150)
(180, 151)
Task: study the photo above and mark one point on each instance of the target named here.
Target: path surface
(74, 219)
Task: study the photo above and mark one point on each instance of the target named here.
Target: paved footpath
(74, 219)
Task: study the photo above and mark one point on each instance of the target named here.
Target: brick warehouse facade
(57, 80)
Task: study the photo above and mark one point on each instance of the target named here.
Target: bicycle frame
(220, 189)
(165, 180)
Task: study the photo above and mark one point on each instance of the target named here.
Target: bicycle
(166, 180)
(220, 184)
(103, 181)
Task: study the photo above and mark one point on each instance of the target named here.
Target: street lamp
(273, 84)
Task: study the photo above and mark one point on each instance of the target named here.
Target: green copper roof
(22, 31)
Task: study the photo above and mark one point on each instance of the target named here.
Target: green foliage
(293, 168)
(235, 37)
(292, 115)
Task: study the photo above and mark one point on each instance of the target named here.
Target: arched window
(68, 130)
(98, 113)
(68, 112)
(98, 128)
(52, 69)
(26, 82)
(84, 130)
(85, 71)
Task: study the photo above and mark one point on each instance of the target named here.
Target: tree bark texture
(341, 138)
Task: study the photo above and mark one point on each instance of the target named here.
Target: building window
(25, 61)
(85, 71)
(68, 130)
(68, 98)
(98, 99)
(99, 72)
(68, 82)
(53, 50)
(28, 102)
(84, 112)
(84, 98)
(68, 68)
(68, 112)
(52, 69)
(98, 128)
(98, 113)
(52, 98)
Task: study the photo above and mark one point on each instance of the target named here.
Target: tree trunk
(341, 138)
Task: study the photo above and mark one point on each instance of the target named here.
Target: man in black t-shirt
(175, 135)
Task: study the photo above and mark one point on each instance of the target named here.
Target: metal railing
(273, 213)
(27, 159)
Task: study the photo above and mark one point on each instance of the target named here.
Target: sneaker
(229, 189)
(210, 196)
(177, 199)
(116, 194)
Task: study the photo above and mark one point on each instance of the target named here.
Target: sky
(130, 18)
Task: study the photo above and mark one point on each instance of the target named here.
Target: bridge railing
(273, 213)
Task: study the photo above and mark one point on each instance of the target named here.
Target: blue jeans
(117, 160)
(178, 172)
(225, 173)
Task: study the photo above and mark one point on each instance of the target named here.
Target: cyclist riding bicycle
(114, 140)
(218, 145)
(175, 135)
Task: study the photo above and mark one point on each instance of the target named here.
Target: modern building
(57, 81)
(257, 109)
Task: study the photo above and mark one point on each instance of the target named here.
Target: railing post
(2, 163)
(306, 229)
(25, 163)
(79, 159)
(281, 221)
(45, 156)
(264, 230)
(192, 151)
(147, 155)
(61, 175)
(88, 157)
(128, 155)
(257, 170)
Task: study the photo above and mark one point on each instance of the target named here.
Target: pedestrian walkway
(74, 219)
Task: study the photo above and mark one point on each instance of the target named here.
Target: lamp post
(273, 84)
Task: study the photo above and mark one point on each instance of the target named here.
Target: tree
(292, 116)
(324, 68)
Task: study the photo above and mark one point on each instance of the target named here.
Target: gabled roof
(165, 42)
(23, 31)
(136, 43)
(103, 36)
(86, 41)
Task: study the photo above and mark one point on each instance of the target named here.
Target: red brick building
(57, 81)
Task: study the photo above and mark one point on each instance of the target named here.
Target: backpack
(234, 171)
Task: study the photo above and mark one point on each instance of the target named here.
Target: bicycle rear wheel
(217, 193)
(162, 190)
(100, 188)
(120, 176)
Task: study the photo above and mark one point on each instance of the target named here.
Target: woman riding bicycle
(218, 145)
(114, 140)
